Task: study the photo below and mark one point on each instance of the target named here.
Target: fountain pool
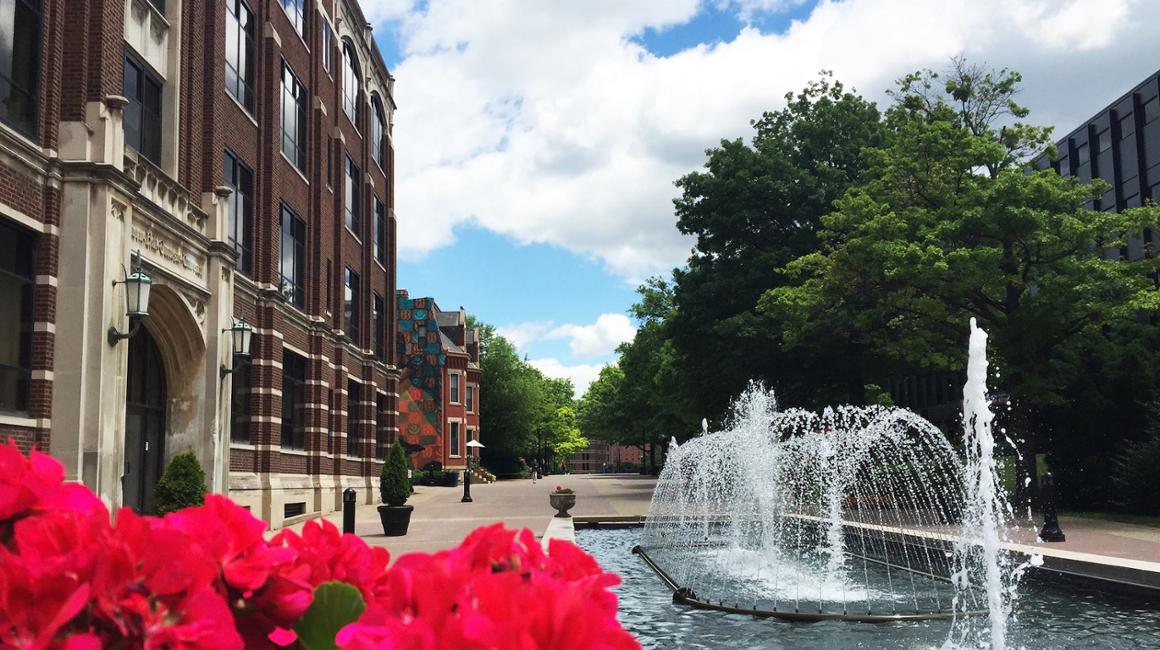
(1051, 614)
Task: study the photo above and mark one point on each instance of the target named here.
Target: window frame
(455, 435)
(327, 47)
(351, 313)
(137, 105)
(298, 261)
(29, 126)
(299, 139)
(243, 79)
(353, 424)
(378, 322)
(351, 72)
(298, 15)
(378, 132)
(233, 168)
(380, 232)
(469, 402)
(293, 400)
(24, 241)
(241, 397)
(352, 199)
(381, 429)
(454, 388)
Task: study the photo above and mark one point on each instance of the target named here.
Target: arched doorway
(145, 401)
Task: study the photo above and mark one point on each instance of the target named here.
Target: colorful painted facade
(439, 381)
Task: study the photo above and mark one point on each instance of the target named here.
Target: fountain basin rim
(685, 596)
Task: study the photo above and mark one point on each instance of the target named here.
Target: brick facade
(174, 210)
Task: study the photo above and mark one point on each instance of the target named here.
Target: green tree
(947, 223)
(182, 485)
(753, 209)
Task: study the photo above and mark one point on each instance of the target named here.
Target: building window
(17, 284)
(353, 197)
(240, 406)
(354, 424)
(381, 420)
(240, 179)
(378, 133)
(327, 46)
(1105, 140)
(143, 112)
(350, 305)
(296, 11)
(380, 232)
(378, 320)
(293, 400)
(292, 265)
(294, 101)
(1082, 155)
(1151, 110)
(351, 84)
(470, 398)
(454, 438)
(454, 388)
(240, 52)
(19, 63)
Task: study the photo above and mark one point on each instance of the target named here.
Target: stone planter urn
(562, 502)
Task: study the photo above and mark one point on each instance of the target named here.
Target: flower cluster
(206, 577)
(563, 490)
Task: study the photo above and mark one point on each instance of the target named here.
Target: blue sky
(537, 141)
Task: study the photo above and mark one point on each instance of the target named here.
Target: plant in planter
(563, 500)
(394, 489)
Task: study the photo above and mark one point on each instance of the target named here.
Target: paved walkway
(441, 521)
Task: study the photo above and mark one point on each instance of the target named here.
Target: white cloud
(545, 122)
(598, 339)
(582, 375)
(586, 341)
(521, 334)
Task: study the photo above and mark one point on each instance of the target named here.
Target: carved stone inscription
(171, 251)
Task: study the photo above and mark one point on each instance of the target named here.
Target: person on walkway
(535, 471)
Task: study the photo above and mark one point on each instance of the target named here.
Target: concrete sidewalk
(441, 521)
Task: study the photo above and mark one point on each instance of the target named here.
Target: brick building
(439, 382)
(605, 457)
(240, 153)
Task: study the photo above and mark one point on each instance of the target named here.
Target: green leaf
(335, 605)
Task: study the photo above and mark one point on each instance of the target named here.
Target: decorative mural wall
(420, 385)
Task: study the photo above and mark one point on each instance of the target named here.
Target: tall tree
(753, 209)
(947, 223)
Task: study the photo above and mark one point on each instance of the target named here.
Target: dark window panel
(241, 210)
(353, 415)
(293, 400)
(240, 52)
(17, 287)
(292, 264)
(143, 113)
(353, 197)
(294, 117)
(351, 301)
(20, 64)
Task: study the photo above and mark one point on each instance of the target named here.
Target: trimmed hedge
(394, 488)
(182, 485)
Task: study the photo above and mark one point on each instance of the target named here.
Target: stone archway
(179, 342)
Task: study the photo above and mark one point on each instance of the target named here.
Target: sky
(537, 141)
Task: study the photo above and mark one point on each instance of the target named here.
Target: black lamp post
(1051, 531)
(471, 445)
(137, 286)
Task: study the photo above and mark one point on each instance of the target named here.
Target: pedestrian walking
(535, 471)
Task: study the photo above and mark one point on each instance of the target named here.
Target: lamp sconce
(241, 337)
(137, 286)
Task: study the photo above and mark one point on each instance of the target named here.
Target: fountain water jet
(857, 513)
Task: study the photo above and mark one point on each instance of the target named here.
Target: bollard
(349, 502)
(1051, 531)
(467, 482)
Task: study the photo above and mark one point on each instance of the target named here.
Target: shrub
(563, 490)
(1134, 472)
(394, 488)
(182, 485)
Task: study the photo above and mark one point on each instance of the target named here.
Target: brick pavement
(441, 521)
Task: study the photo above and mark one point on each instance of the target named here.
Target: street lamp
(467, 475)
(137, 285)
(241, 337)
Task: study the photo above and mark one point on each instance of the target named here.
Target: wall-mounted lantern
(137, 285)
(241, 335)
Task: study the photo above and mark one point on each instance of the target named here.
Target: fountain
(863, 514)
